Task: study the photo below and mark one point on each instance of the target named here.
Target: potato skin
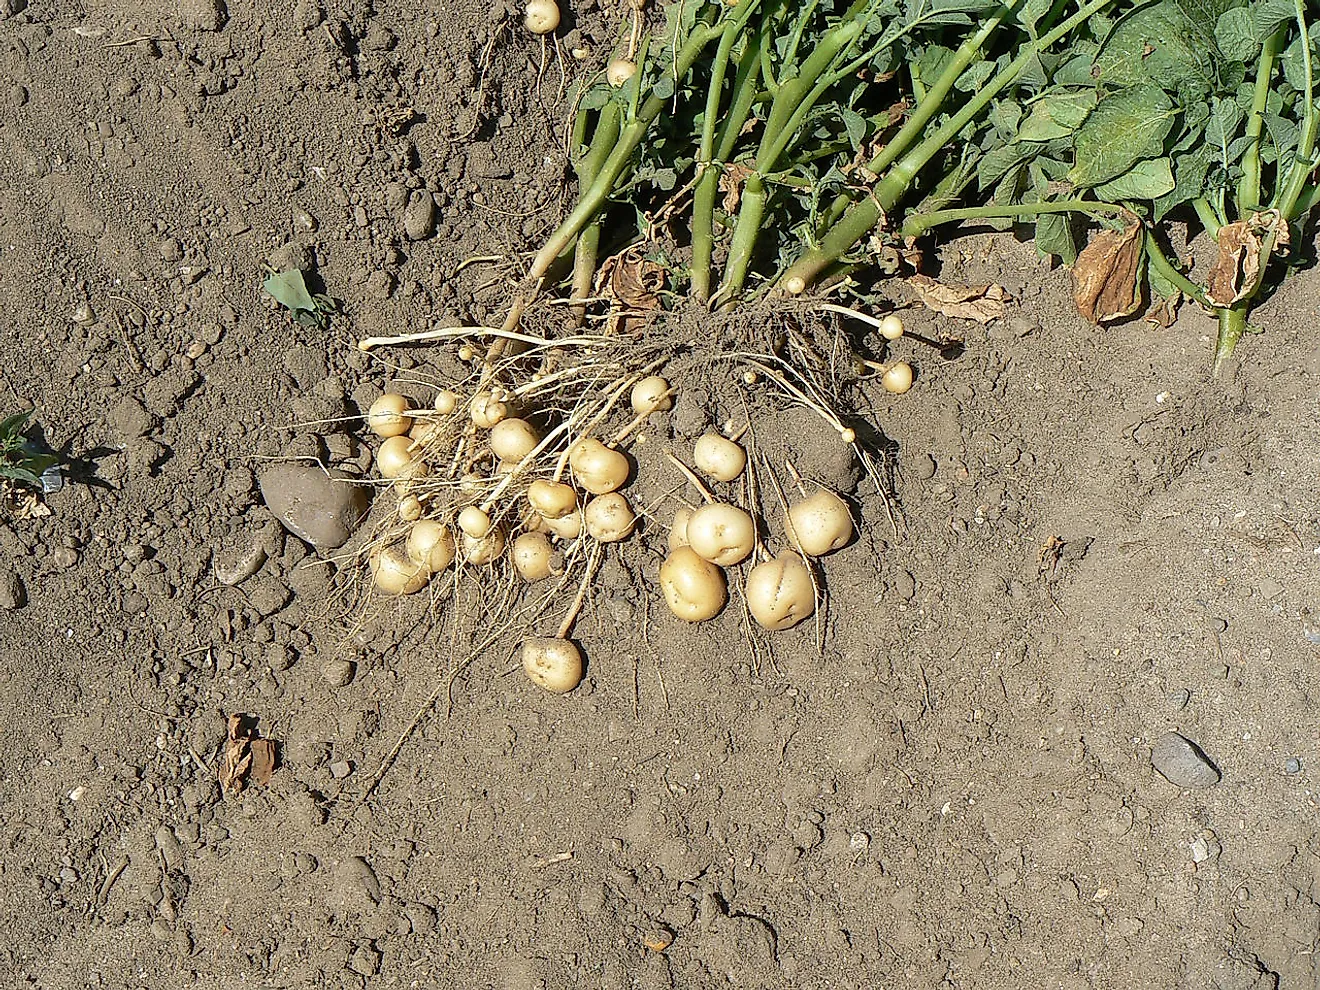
(780, 593)
(694, 588)
(552, 664)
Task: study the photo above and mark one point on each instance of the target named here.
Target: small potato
(818, 524)
(553, 664)
(719, 457)
(897, 379)
(618, 72)
(891, 327)
(721, 533)
(552, 499)
(386, 416)
(431, 545)
(694, 588)
(486, 410)
(534, 558)
(396, 574)
(397, 459)
(541, 16)
(779, 592)
(678, 531)
(483, 550)
(446, 402)
(651, 395)
(567, 527)
(410, 508)
(473, 521)
(599, 469)
(609, 518)
(513, 439)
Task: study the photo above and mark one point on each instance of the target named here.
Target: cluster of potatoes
(554, 512)
(780, 591)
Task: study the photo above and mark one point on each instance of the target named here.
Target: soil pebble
(318, 506)
(419, 215)
(12, 593)
(365, 961)
(1181, 762)
(201, 15)
(338, 673)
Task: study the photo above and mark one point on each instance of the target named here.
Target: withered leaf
(632, 284)
(246, 757)
(1237, 267)
(982, 303)
(1164, 311)
(1107, 275)
(731, 183)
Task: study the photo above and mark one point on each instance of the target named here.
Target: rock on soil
(1181, 762)
(321, 507)
(12, 593)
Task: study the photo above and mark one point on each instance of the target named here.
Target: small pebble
(1292, 765)
(1219, 625)
(1181, 762)
(338, 673)
(314, 505)
(859, 842)
(340, 769)
(1178, 699)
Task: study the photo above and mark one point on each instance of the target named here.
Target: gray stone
(365, 961)
(12, 593)
(419, 215)
(1181, 762)
(314, 505)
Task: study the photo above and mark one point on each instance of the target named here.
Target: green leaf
(1121, 131)
(1189, 176)
(1235, 34)
(1031, 12)
(1157, 44)
(12, 427)
(1057, 115)
(855, 124)
(1225, 121)
(1054, 237)
(290, 290)
(1000, 161)
(1148, 179)
(1269, 16)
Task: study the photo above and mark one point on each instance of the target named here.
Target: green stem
(750, 212)
(1232, 325)
(1304, 157)
(1159, 261)
(1210, 220)
(703, 196)
(918, 223)
(592, 200)
(864, 215)
(1249, 185)
(792, 103)
(588, 167)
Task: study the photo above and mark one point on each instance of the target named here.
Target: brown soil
(1099, 544)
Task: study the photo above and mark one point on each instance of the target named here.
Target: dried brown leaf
(982, 303)
(1237, 268)
(632, 285)
(1164, 311)
(731, 183)
(1106, 275)
(246, 758)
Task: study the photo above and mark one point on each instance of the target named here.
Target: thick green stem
(917, 224)
(792, 103)
(703, 196)
(1232, 325)
(744, 236)
(885, 195)
(1304, 157)
(592, 200)
(587, 249)
(1249, 185)
(1210, 220)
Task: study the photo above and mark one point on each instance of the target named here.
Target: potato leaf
(1107, 275)
(1054, 237)
(1157, 44)
(1121, 131)
(1235, 34)
(290, 291)
(1148, 179)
